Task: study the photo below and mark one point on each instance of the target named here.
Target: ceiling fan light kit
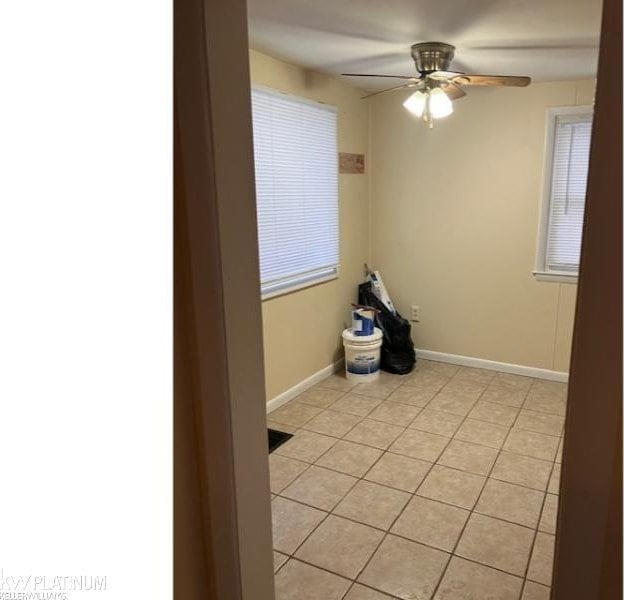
(437, 86)
(429, 105)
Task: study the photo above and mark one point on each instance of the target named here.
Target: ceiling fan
(436, 85)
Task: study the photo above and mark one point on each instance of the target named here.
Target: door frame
(222, 514)
(588, 553)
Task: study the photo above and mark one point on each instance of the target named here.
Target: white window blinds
(296, 158)
(570, 162)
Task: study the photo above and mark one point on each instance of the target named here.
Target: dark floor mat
(277, 438)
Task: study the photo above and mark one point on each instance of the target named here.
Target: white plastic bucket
(362, 355)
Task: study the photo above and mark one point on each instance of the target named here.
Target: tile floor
(441, 484)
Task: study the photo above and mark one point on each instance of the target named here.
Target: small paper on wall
(351, 164)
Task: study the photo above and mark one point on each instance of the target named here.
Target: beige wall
(291, 354)
(453, 227)
(454, 222)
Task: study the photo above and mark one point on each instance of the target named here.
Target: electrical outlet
(415, 314)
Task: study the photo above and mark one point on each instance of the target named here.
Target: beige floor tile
(412, 395)
(541, 565)
(294, 414)
(465, 580)
(320, 487)
(465, 387)
(545, 403)
(482, 432)
(453, 403)
(385, 376)
(496, 543)
(340, 546)
(523, 470)
(494, 412)
(540, 422)
(535, 591)
(510, 502)
(507, 397)
(400, 472)
(374, 433)
(451, 486)
(283, 471)
(337, 381)
(548, 522)
(359, 592)
(535, 445)
(482, 376)
(292, 523)
(320, 397)
(372, 504)
(420, 444)
(511, 382)
(436, 366)
(348, 457)
(355, 404)
(429, 380)
(306, 446)
(436, 421)
(555, 480)
(280, 426)
(298, 581)
(278, 560)
(549, 388)
(330, 422)
(381, 388)
(394, 413)
(405, 569)
(466, 456)
(431, 523)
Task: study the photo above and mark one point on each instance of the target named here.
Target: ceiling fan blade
(394, 76)
(558, 44)
(444, 75)
(453, 91)
(392, 89)
(491, 80)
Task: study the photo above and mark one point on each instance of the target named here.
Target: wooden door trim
(588, 555)
(222, 518)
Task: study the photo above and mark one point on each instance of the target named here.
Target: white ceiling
(549, 40)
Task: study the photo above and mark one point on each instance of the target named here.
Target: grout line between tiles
(526, 571)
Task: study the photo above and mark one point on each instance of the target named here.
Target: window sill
(556, 277)
(299, 286)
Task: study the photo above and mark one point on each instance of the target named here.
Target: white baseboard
(482, 363)
(455, 359)
(304, 385)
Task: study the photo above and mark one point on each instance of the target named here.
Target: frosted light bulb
(440, 104)
(416, 103)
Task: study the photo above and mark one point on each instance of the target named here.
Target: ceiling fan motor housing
(432, 56)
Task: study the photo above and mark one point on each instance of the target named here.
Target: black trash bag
(397, 350)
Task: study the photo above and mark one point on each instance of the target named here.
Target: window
(568, 139)
(296, 158)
